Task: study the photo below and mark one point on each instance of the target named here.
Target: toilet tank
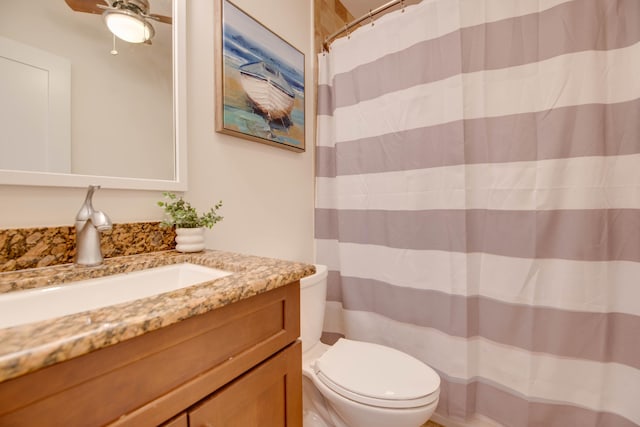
(313, 296)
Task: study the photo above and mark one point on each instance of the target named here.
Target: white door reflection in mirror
(35, 96)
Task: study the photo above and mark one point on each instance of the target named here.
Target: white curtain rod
(370, 15)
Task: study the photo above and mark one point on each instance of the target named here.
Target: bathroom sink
(21, 307)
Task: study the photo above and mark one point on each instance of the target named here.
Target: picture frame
(260, 81)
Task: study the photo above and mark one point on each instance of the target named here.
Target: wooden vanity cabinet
(239, 365)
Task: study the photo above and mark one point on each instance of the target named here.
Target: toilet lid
(376, 375)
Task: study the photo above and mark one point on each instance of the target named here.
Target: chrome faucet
(89, 224)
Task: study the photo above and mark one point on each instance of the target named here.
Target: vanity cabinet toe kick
(237, 365)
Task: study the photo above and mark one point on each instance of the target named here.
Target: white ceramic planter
(189, 239)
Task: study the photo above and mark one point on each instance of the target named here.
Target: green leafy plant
(182, 215)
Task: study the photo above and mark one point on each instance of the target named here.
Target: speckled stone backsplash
(22, 248)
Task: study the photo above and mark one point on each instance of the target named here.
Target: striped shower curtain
(478, 202)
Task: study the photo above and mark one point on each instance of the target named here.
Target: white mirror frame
(47, 179)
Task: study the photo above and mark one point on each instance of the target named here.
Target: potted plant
(188, 223)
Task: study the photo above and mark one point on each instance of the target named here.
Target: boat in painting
(267, 89)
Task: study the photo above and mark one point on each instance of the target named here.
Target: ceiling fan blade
(160, 18)
(87, 6)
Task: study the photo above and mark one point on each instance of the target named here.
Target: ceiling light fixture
(128, 25)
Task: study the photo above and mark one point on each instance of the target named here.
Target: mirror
(76, 113)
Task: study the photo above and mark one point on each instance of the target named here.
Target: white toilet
(354, 383)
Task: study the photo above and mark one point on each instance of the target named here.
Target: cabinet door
(269, 395)
(178, 421)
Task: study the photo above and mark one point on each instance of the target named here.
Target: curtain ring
(402, 5)
(346, 28)
(371, 18)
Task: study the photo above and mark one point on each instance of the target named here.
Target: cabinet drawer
(157, 375)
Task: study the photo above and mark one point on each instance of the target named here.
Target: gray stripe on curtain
(589, 234)
(569, 132)
(602, 337)
(480, 395)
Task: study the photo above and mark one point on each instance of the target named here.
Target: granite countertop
(29, 347)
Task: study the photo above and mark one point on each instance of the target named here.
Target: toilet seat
(376, 375)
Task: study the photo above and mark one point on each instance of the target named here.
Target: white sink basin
(21, 307)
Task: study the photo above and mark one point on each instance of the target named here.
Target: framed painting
(260, 89)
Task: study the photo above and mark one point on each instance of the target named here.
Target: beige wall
(267, 191)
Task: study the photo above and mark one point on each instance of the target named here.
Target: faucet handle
(86, 210)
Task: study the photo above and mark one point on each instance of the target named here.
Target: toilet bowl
(354, 383)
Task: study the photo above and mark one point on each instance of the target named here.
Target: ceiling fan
(127, 19)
